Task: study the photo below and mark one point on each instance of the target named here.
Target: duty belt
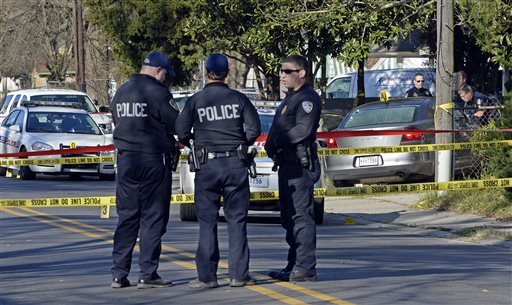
(225, 154)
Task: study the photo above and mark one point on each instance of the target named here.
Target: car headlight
(41, 146)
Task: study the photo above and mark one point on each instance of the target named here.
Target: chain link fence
(467, 164)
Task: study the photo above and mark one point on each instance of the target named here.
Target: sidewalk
(396, 209)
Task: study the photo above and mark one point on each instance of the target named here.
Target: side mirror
(16, 128)
(104, 109)
(96, 102)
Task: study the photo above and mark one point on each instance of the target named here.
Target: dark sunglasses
(289, 71)
(420, 81)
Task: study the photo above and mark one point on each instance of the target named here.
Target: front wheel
(25, 172)
(319, 211)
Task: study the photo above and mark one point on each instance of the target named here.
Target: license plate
(368, 161)
(259, 181)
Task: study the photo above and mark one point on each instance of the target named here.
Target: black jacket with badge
(143, 116)
(296, 121)
(221, 118)
(413, 92)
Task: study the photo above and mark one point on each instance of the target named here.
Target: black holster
(303, 152)
(248, 159)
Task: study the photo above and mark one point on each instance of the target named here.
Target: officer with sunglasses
(291, 144)
(418, 90)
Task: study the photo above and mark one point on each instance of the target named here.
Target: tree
(134, 28)
(32, 29)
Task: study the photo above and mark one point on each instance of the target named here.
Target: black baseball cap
(217, 63)
(159, 59)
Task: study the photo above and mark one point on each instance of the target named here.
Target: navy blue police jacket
(221, 119)
(296, 121)
(413, 92)
(143, 116)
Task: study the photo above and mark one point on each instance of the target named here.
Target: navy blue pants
(143, 197)
(296, 185)
(226, 177)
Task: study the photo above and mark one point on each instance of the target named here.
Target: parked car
(266, 180)
(398, 114)
(342, 89)
(31, 127)
(15, 98)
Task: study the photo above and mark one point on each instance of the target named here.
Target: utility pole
(444, 87)
(79, 46)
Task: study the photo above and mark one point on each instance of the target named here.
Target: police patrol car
(266, 179)
(15, 98)
(46, 125)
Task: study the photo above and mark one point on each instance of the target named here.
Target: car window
(11, 118)
(60, 122)
(339, 88)
(4, 104)
(381, 116)
(19, 119)
(330, 121)
(84, 100)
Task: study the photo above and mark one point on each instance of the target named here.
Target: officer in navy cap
(291, 144)
(224, 124)
(144, 120)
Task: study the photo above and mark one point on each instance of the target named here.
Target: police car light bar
(34, 103)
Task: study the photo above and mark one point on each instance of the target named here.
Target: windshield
(381, 116)
(84, 100)
(61, 122)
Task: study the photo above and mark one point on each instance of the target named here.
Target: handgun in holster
(303, 152)
(276, 161)
(175, 157)
(193, 159)
(248, 158)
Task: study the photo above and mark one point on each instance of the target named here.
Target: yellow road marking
(256, 288)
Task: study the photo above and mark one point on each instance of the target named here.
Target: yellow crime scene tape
(262, 154)
(53, 161)
(274, 194)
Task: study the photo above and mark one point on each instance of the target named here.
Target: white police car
(265, 181)
(15, 98)
(37, 126)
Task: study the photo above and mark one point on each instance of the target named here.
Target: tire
(107, 177)
(25, 172)
(319, 211)
(3, 171)
(187, 212)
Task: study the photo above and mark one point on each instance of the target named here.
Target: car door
(10, 136)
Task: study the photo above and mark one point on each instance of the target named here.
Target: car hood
(65, 140)
(100, 117)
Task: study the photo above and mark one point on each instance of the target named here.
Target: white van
(342, 90)
(14, 99)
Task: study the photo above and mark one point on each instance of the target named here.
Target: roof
(55, 109)
(47, 91)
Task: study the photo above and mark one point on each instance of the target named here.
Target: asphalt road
(63, 256)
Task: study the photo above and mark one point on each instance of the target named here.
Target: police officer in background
(418, 90)
(291, 144)
(225, 123)
(144, 119)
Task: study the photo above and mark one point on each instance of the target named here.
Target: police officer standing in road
(224, 124)
(291, 144)
(144, 120)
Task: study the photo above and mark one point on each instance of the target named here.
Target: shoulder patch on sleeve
(307, 106)
(174, 105)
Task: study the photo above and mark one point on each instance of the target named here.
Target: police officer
(291, 144)
(418, 90)
(225, 123)
(472, 101)
(144, 120)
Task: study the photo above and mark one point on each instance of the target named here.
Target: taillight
(331, 143)
(408, 137)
